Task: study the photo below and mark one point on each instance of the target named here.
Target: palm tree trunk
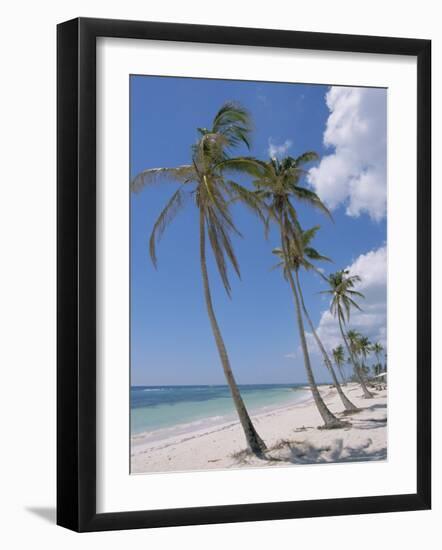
(330, 420)
(254, 442)
(348, 405)
(367, 394)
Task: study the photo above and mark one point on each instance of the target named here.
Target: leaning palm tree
(339, 359)
(302, 258)
(343, 298)
(277, 184)
(203, 183)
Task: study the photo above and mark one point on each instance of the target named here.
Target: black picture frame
(76, 274)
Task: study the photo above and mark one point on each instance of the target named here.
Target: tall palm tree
(203, 183)
(277, 183)
(303, 257)
(343, 299)
(339, 359)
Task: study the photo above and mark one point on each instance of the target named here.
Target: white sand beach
(291, 434)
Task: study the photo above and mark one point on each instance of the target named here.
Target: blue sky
(171, 340)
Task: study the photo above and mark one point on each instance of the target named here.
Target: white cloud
(355, 173)
(277, 151)
(372, 320)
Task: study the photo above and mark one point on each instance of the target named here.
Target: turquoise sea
(158, 412)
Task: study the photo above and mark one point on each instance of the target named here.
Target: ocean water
(158, 412)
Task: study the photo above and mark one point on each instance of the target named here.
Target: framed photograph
(243, 274)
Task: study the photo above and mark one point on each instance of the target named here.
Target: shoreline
(290, 432)
(211, 423)
(163, 442)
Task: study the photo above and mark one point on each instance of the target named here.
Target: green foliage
(339, 355)
(341, 289)
(203, 181)
(301, 254)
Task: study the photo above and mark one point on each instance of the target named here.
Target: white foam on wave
(181, 429)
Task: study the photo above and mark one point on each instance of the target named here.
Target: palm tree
(360, 346)
(354, 338)
(203, 183)
(377, 348)
(343, 295)
(364, 349)
(277, 183)
(303, 258)
(339, 359)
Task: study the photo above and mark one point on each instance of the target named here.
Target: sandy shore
(291, 434)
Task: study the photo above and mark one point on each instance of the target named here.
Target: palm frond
(309, 234)
(218, 204)
(308, 156)
(251, 200)
(277, 266)
(224, 239)
(233, 122)
(354, 304)
(173, 206)
(247, 165)
(313, 254)
(218, 253)
(181, 174)
(355, 293)
(310, 197)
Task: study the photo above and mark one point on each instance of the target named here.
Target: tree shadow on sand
(332, 451)
(376, 406)
(336, 451)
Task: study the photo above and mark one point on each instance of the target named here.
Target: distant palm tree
(364, 348)
(277, 183)
(339, 359)
(303, 258)
(343, 294)
(354, 338)
(376, 369)
(202, 182)
(377, 348)
(361, 347)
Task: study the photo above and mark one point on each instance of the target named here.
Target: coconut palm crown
(303, 255)
(204, 182)
(343, 294)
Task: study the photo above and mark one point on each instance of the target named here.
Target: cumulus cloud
(372, 320)
(276, 151)
(354, 174)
